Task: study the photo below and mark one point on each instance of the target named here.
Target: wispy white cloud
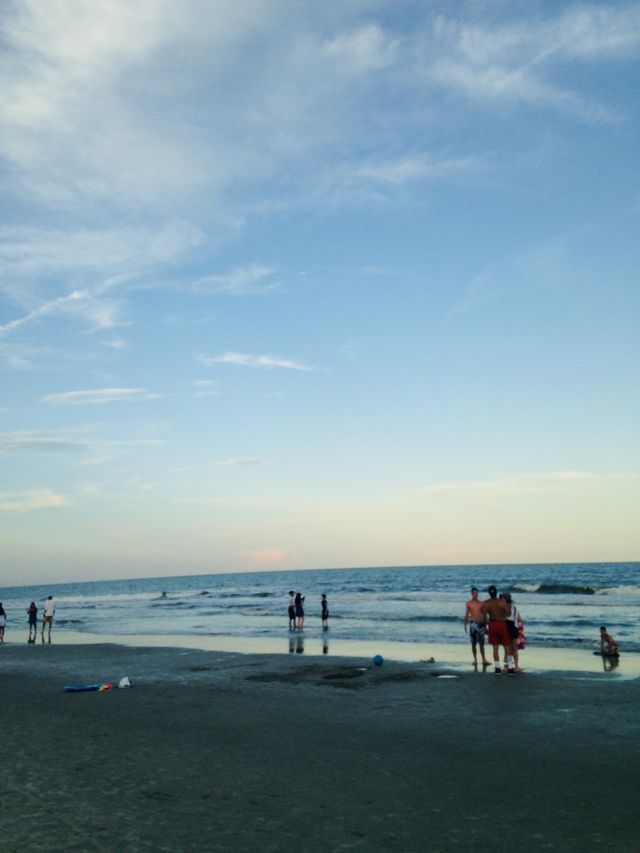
(97, 312)
(33, 442)
(35, 260)
(241, 281)
(247, 460)
(103, 459)
(32, 500)
(205, 388)
(107, 451)
(114, 248)
(85, 123)
(99, 396)
(116, 343)
(365, 48)
(521, 60)
(547, 265)
(524, 484)
(257, 361)
(378, 179)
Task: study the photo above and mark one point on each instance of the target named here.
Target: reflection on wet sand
(296, 644)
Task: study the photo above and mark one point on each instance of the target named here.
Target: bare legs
(46, 622)
(474, 650)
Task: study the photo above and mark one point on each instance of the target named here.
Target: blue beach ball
(378, 660)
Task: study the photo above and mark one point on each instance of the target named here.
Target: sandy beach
(224, 751)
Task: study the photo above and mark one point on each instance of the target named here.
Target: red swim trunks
(499, 633)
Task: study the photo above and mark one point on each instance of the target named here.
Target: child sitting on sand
(608, 645)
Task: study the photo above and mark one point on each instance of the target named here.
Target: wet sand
(314, 642)
(231, 752)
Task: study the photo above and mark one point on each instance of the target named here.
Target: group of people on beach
(296, 611)
(498, 618)
(32, 614)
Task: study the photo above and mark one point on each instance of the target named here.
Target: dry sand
(231, 752)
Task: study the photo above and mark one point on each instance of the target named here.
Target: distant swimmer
(496, 611)
(474, 625)
(325, 612)
(608, 645)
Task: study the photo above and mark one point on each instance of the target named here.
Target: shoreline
(313, 643)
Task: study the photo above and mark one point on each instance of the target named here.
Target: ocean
(562, 604)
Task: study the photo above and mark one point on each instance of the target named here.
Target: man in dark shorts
(325, 612)
(495, 611)
(474, 625)
(608, 645)
(32, 610)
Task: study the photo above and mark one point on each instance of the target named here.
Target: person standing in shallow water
(325, 612)
(47, 616)
(512, 626)
(299, 611)
(292, 610)
(474, 625)
(3, 622)
(32, 611)
(608, 645)
(496, 611)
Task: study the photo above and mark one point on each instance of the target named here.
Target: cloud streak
(35, 443)
(517, 61)
(524, 484)
(240, 461)
(241, 281)
(99, 396)
(255, 361)
(32, 500)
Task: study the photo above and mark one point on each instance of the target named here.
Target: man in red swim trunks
(495, 611)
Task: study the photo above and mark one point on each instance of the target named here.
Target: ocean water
(562, 604)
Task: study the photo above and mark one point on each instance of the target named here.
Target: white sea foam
(620, 590)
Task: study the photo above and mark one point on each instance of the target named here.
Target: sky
(290, 285)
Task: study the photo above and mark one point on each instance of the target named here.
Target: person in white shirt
(47, 616)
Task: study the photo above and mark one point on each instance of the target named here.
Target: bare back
(496, 608)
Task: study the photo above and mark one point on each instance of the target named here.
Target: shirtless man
(474, 625)
(495, 611)
(608, 645)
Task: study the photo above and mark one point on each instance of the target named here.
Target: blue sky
(296, 285)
